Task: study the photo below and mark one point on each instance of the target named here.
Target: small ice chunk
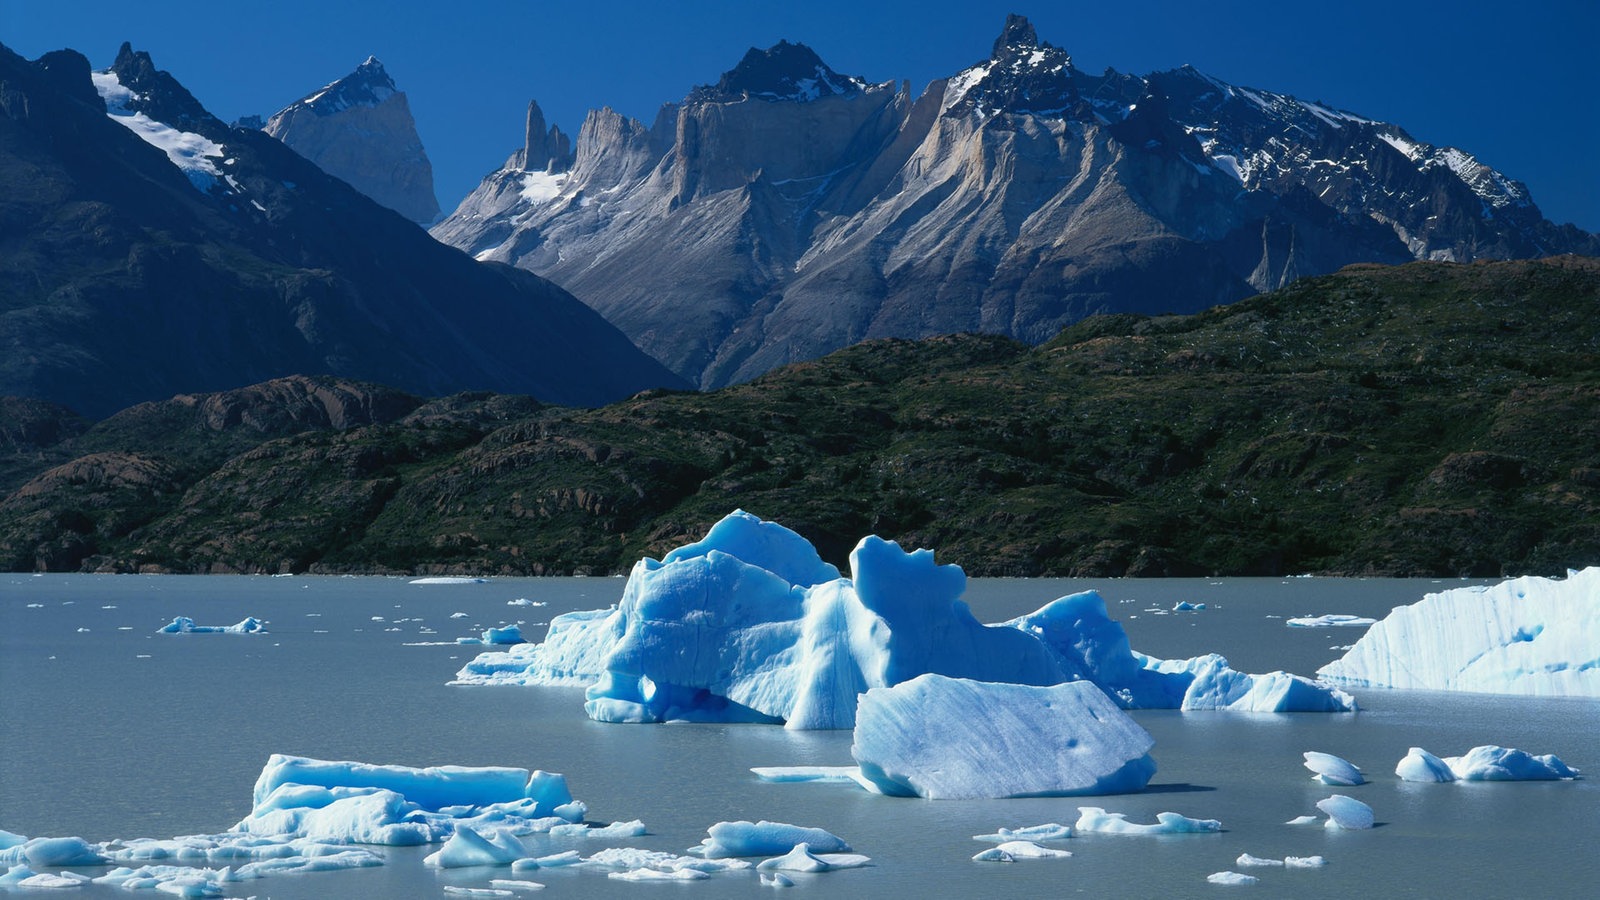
(734, 839)
(509, 634)
(1420, 765)
(1304, 862)
(1246, 861)
(1238, 878)
(511, 884)
(993, 854)
(459, 891)
(1095, 819)
(613, 831)
(186, 625)
(1303, 820)
(467, 847)
(1186, 606)
(1030, 850)
(1330, 621)
(658, 875)
(64, 880)
(1050, 832)
(1330, 769)
(832, 774)
(65, 852)
(1346, 812)
(801, 859)
(776, 879)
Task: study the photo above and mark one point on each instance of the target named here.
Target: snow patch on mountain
(193, 154)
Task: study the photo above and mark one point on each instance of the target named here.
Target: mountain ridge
(142, 259)
(1015, 197)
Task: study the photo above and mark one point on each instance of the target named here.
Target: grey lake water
(110, 730)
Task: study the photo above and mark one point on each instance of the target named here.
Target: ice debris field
(749, 625)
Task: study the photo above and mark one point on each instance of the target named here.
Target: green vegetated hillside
(1427, 419)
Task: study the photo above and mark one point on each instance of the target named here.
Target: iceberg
(750, 625)
(952, 738)
(1238, 878)
(1095, 819)
(186, 625)
(467, 847)
(1526, 636)
(1330, 769)
(1486, 763)
(508, 634)
(801, 859)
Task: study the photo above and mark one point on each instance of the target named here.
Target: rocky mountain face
(147, 249)
(360, 129)
(786, 210)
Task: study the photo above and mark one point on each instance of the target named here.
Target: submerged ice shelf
(749, 624)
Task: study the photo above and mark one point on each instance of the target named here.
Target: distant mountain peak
(157, 94)
(1018, 34)
(783, 71)
(368, 85)
(1024, 75)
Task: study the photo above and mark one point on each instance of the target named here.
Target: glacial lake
(111, 730)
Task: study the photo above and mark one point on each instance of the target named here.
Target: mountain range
(787, 210)
(147, 249)
(1384, 420)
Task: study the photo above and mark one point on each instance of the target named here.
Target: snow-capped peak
(368, 85)
(1023, 75)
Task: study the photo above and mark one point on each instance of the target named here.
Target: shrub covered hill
(1427, 419)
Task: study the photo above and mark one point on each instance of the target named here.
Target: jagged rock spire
(1018, 34)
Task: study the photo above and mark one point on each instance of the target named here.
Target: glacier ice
(186, 625)
(801, 859)
(1332, 620)
(1237, 878)
(749, 624)
(1485, 763)
(1330, 769)
(918, 739)
(467, 847)
(1527, 636)
(1420, 765)
(1346, 812)
(744, 838)
(1097, 820)
(1052, 831)
(1010, 851)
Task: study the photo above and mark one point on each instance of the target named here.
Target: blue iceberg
(750, 625)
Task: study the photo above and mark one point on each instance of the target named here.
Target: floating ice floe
(736, 839)
(1236, 878)
(508, 634)
(1049, 832)
(1186, 606)
(1346, 812)
(1330, 621)
(1093, 819)
(448, 579)
(1330, 769)
(749, 624)
(1011, 851)
(801, 859)
(1527, 636)
(955, 739)
(1486, 763)
(186, 625)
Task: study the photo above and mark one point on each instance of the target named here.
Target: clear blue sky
(1514, 84)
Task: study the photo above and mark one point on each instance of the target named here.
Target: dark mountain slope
(204, 258)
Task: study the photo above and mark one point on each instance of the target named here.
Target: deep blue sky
(1514, 84)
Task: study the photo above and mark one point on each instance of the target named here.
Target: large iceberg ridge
(1527, 636)
(749, 624)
